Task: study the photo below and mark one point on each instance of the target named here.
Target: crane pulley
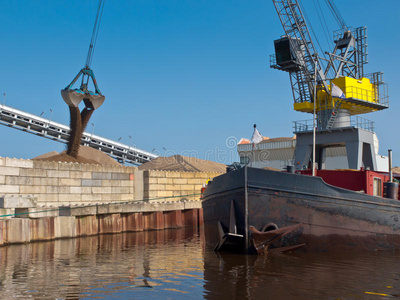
(92, 100)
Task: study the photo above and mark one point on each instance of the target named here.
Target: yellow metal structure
(360, 97)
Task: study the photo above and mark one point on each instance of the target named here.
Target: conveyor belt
(30, 123)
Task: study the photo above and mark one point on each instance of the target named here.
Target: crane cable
(95, 33)
(336, 14)
(311, 27)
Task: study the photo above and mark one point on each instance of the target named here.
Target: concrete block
(127, 197)
(17, 201)
(91, 197)
(70, 167)
(9, 171)
(65, 227)
(86, 190)
(2, 179)
(75, 190)
(91, 168)
(6, 213)
(192, 204)
(2, 161)
(173, 174)
(77, 211)
(187, 175)
(18, 231)
(101, 175)
(33, 172)
(120, 190)
(19, 163)
(46, 198)
(51, 189)
(131, 183)
(111, 183)
(109, 209)
(36, 213)
(164, 180)
(197, 181)
(87, 225)
(47, 165)
(132, 222)
(201, 175)
(120, 176)
(110, 223)
(111, 197)
(156, 187)
(151, 180)
(155, 173)
(90, 182)
(180, 181)
(29, 189)
(101, 190)
(42, 229)
(69, 197)
(164, 194)
(189, 187)
(44, 181)
(19, 180)
(80, 175)
(70, 182)
(173, 187)
(57, 174)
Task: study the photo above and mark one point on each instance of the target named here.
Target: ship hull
(331, 218)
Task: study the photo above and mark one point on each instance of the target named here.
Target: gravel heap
(87, 155)
(183, 163)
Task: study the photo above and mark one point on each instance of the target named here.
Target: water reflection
(366, 275)
(174, 264)
(123, 265)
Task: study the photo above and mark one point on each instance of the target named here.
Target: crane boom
(305, 56)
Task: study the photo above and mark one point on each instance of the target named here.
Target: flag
(257, 137)
(337, 92)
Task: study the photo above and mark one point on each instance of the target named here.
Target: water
(175, 264)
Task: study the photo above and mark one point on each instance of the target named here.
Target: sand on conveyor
(183, 163)
(87, 155)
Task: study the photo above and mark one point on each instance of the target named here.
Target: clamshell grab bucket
(74, 98)
(71, 97)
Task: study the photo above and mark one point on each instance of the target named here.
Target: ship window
(244, 160)
(377, 187)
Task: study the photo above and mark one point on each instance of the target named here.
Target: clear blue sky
(179, 75)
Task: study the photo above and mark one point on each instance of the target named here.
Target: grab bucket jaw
(73, 98)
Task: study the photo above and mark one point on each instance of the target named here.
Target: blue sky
(182, 75)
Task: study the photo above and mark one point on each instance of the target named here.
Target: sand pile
(183, 163)
(87, 155)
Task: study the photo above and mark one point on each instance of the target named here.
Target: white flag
(337, 92)
(257, 137)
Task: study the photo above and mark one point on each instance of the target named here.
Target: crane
(92, 100)
(312, 89)
(73, 97)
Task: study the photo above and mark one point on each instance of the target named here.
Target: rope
(92, 205)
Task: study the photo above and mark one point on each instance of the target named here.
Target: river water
(175, 264)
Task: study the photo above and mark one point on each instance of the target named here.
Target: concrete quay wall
(70, 222)
(56, 184)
